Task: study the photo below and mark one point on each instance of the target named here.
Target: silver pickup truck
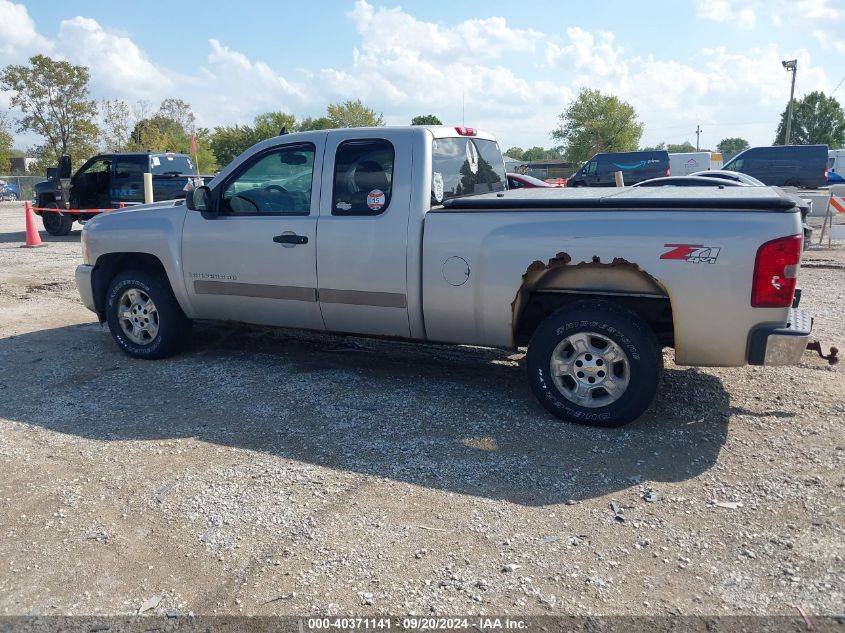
(410, 233)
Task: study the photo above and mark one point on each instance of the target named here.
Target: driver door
(256, 261)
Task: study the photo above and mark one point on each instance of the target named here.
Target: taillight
(826, 171)
(776, 272)
(668, 172)
(466, 131)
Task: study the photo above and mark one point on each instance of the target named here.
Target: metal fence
(17, 187)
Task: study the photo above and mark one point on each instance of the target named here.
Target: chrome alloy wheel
(590, 369)
(138, 316)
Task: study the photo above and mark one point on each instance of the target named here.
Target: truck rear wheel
(56, 223)
(595, 363)
(144, 317)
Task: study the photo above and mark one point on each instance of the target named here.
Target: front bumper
(779, 344)
(83, 283)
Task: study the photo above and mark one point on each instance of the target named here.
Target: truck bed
(693, 247)
(599, 198)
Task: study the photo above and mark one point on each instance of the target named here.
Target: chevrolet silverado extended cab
(410, 233)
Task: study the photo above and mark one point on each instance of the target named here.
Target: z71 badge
(694, 253)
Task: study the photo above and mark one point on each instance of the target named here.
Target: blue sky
(713, 63)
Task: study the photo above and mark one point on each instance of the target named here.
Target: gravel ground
(273, 472)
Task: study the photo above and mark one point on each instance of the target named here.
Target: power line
(837, 85)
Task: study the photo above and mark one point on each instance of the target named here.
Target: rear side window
(129, 167)
(363, 177)
(465, 166)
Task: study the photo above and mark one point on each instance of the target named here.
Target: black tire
(601, 321)
(173, 326)
(56, 223)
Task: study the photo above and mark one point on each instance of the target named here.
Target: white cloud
(18, 37)
(824, 18)
(117, 64)
(738, 13)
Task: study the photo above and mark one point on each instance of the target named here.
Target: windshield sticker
(375, 200)
(472, 157)
(156, 161)
(343, 206)
(437, 186)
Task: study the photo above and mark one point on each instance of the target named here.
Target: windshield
(171, 164)
(465, 166)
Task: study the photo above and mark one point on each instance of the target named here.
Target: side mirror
(64, 167)
(199, 199)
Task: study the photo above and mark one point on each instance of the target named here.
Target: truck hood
(126, 214)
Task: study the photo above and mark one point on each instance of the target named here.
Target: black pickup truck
(107, 180)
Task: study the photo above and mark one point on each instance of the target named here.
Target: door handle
(290, 238)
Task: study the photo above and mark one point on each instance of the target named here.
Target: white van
(688, 163)
(836, 166)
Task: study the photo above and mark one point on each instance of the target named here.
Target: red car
(522, 181)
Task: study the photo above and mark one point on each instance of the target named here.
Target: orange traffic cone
(33, 239)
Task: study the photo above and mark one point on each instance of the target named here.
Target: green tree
(54, 99)
(6, 148)
(539, 153)
(170, 130)
(515, 153)
(681, 148)
(426, 119)
(157, 134)
(116, 126)
(353, 114)
(320, 123)
(179, 111)
(816, 119)
(228, 142)
(732, 145)
(269, 124)
(596, 122)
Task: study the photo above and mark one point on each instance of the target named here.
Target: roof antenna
(283, 131)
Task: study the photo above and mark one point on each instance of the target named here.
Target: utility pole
(697, 137)
(791, 66)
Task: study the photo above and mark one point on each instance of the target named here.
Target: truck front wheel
(144, 317)
(56, 223)
(595, 363)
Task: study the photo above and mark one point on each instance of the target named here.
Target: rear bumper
(83, 283)
(781, 344)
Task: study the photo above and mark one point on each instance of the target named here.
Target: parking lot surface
(273, 472)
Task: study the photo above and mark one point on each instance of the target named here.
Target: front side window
(98, 167)
(363, 177)
(276, 183)
(591, 167)
(464, 166)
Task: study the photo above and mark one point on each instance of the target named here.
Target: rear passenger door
(362, 234)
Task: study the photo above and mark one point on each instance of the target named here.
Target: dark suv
(635, 167)
(107, 180)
